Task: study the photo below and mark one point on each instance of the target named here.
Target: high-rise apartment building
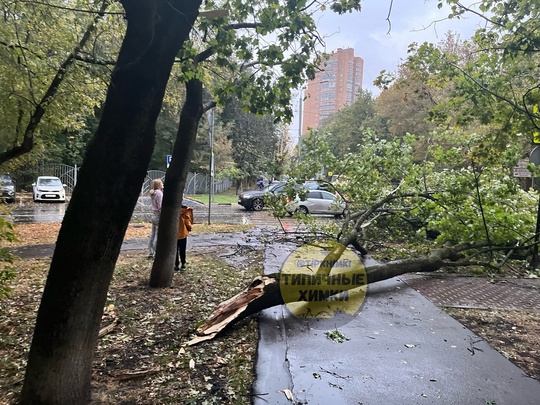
(334, 87)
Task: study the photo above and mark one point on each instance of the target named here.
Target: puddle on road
(39, 212)
(220, 214)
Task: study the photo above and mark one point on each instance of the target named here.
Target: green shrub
(7, 271)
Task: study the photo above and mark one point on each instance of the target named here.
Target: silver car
(48, 188)
(7, 188)
(317, 202)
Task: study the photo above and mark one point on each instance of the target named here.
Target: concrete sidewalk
(402, 350)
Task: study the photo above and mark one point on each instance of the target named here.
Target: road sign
(169, 158)
(534, 157)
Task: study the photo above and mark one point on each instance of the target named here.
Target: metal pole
(300, 122)
(534, 158)
(211, 180)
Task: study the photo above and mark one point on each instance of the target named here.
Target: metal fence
(28, 175)
(196, 183)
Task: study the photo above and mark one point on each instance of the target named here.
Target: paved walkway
(476, 292)
(399, 349)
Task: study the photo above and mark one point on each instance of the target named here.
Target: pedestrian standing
(184, 228)
(156, 198)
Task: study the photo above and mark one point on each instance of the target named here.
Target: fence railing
(24, 177)
(196, 183)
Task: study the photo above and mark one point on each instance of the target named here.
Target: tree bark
(175, 181)
(264, 292)
(60, 359)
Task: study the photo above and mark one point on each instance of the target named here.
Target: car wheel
(338, 216)
(303, 210)
(257, 204)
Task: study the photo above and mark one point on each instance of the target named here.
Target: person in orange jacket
(184, 228)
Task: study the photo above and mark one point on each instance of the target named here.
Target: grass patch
(226, 197)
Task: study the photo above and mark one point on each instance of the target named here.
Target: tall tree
(253, 138)
(265, 59)
(411, 96)
(497, 83)
(345, 128)
(60, 359)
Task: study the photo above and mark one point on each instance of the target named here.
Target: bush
(7, 271)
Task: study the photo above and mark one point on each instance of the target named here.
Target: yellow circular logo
(322, 280)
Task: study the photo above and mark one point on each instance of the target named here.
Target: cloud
(383, 44)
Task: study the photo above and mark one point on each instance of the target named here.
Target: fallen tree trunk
(264, 292)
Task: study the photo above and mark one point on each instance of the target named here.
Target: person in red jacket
(184, 228)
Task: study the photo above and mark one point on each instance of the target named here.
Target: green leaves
(462, 190)
(7, 271)
(498, 82)
(263, 50)
(54, 61)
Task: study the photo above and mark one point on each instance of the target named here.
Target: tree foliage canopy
(452, 196)
(496, 81)
(54, 59)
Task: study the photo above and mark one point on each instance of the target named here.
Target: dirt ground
(143, 358)
(514, 334)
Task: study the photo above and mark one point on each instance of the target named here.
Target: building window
(329, 95)
(328, 85)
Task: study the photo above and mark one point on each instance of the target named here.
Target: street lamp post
(211, 180)
(300, 103)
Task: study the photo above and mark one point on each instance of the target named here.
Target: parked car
(317, 202)
(48, 188)
(317, 185)
(7, 188)
(254, 199)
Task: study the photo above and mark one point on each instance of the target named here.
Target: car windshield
(4, 178)
(49, 182)
(271, 187)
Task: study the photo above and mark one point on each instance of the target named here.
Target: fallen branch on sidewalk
(264, 291)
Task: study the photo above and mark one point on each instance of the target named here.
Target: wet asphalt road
(27, 211)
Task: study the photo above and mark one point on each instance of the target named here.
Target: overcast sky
(383, 46)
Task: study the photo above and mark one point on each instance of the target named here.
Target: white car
(48, 188)
(317, 202)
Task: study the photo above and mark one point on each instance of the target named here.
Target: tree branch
(27, 143)
(91, 60)
(479, 15)
(265, 292)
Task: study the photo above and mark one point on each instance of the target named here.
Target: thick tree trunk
(175, 181)
(60, 360)
(264, 292)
